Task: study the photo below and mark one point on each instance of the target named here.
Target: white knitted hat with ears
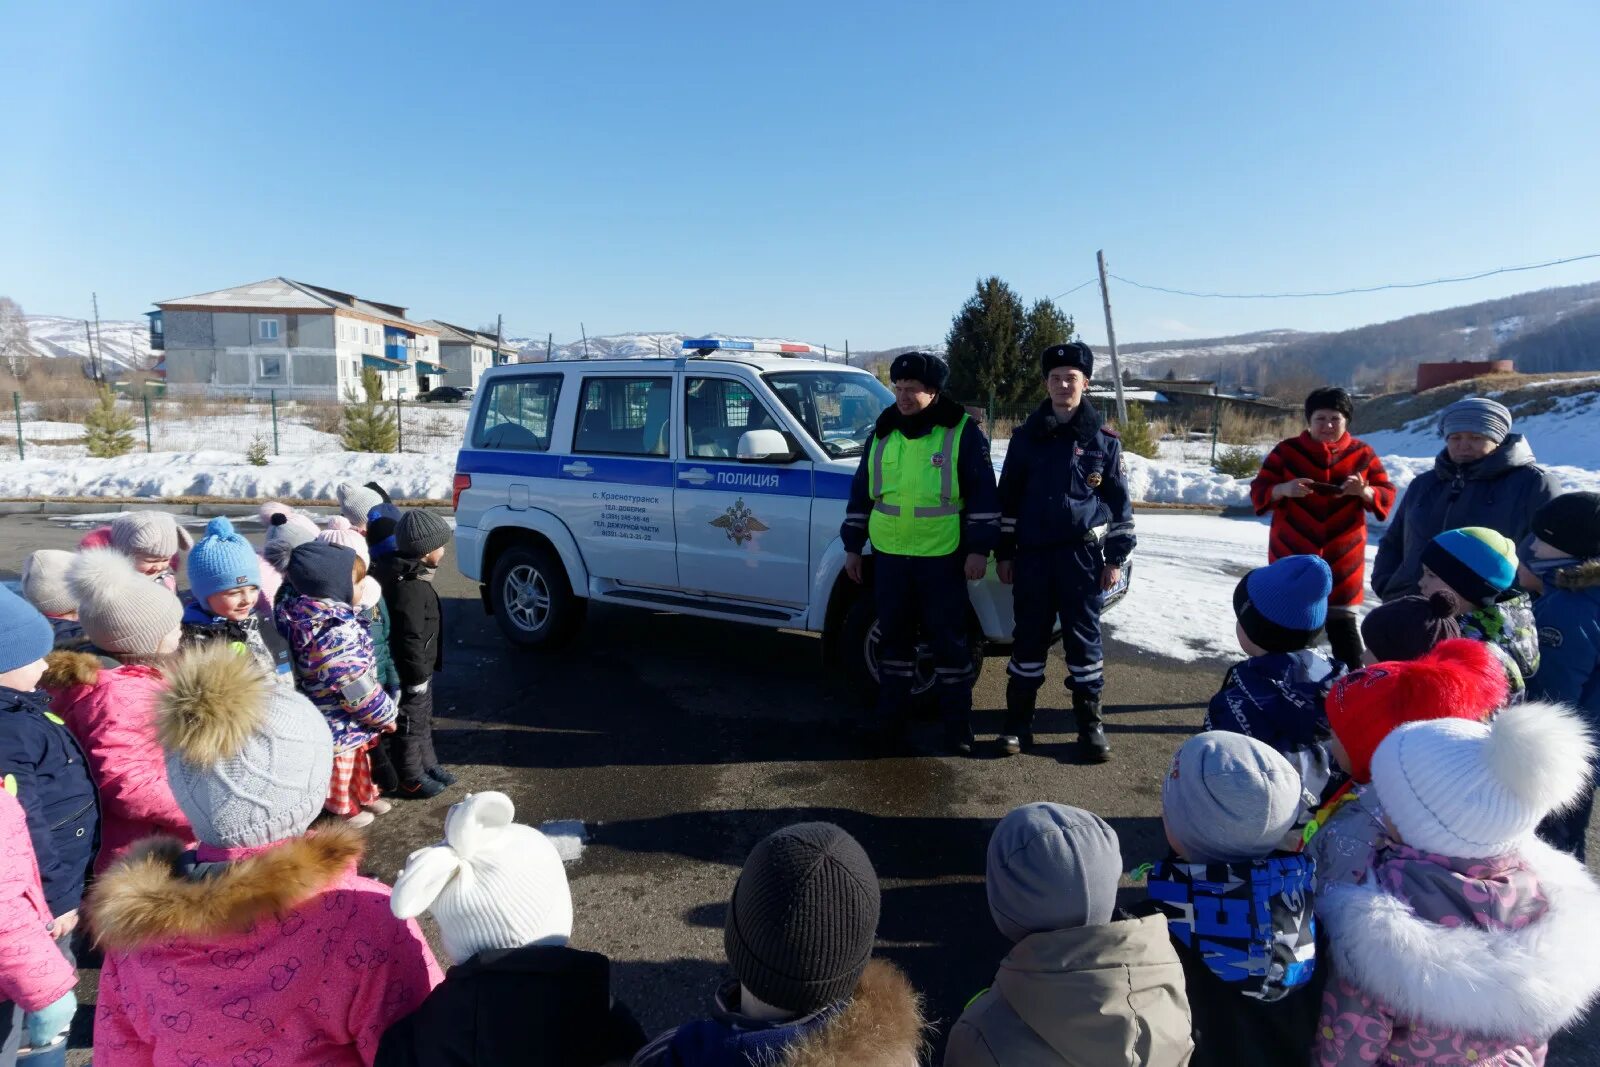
(492, 883)
(1472, 790)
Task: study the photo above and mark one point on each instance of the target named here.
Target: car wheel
(533, 601)
(859, 637)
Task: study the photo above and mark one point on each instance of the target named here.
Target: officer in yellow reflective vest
(925, 497)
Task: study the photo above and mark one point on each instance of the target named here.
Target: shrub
(256, 454)
(108, 431)
(1248, 427)
(1238, 461)
(369, 425)
(1138, 436)
(324, 418)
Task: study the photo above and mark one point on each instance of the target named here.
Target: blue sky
(825, 171)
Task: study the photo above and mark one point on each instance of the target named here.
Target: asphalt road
(681, 742)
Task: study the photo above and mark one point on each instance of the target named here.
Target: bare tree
(15, 346)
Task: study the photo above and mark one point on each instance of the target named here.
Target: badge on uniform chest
(1093, 467)
(937, 459)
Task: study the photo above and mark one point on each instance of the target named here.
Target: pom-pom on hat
(1570, 523)
(1052, 867)
(221, 560)
(286, 531)
(1471, 790)
(924, 367)
(121, 611)
(356, 503)
(25, 635)
(1475, 561)
(1074, 354)
(248, 760)
(491, 884)
(1461, 679)
(1407, 628)
(149, 533)
(1283, 606)
(340, 532)
(44, 581)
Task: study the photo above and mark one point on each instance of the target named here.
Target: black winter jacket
(533, 1005)
(416, 618)
(43, 766)
(980, 513)
(1061, 480)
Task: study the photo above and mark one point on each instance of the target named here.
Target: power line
(1075, 288)
(1347, 292)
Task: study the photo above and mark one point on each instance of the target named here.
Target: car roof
(761, 363)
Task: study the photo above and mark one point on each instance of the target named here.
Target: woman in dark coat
(1319, 487)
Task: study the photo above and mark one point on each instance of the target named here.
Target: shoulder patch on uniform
(1550, 637)
(1110, 431)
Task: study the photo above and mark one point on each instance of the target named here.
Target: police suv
(711, 484)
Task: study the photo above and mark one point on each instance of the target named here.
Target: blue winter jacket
(1501, 491)
(1568, 618)
(1280, 699)
(1062, 480)
(43, 766)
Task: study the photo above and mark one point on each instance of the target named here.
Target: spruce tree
(1045, 325)
(985, 348)
(107, 431)
(369, 425)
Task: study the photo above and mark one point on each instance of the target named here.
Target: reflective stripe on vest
(916, 497)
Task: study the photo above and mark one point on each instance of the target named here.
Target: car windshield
(837, 408)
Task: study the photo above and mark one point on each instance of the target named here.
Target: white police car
(711, 484)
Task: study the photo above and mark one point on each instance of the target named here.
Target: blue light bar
(711, 342)
(780, 348)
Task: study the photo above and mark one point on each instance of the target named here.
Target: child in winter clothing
(226, 605)
(1477, 568)
(1408, 628)
(1469, 937)
(1459, 679)
(107, 696)
(1238, 908)
(1564, 563)
(799, 936)
(153, 540)
(285, 533)
(263, 943)
(272, 515)
(1276, 696)
(36, 979)
(356, 503)
(515, 993)
(335, 666)
(42, 765)
(416, 638)
(44, 585)
(381, 524)
(1081, 985)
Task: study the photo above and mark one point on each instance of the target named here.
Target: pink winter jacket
(286, 956)
(100, 537)
(33, 972)
(111, 711)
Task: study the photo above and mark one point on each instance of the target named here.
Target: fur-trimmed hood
(63, 670)
(1497, 982)
(881, 1026)
(1584, 575)
(144, 898)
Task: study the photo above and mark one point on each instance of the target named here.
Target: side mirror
(765, 446)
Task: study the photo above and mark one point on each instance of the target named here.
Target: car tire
(533, 600)
(857, 652)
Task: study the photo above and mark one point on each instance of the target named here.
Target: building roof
(285, 294)
(449, 333)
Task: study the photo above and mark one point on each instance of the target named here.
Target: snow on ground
(1568, 435)
(568, 835)
(227, 474)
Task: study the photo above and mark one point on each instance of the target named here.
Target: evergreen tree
(1045, 325)
(107, 431)
(984, 348)
(369, 425)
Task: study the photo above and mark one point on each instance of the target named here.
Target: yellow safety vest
(916, 495)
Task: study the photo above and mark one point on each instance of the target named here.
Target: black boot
(1017, 734)
(1091, 728)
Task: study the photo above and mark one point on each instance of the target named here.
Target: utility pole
(88, 337)
(585, 331)
(99, 342)
(1111, 339)
(549, 342)
(847, 351)
(499, 337)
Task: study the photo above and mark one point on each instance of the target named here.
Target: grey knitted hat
(420, 532)
(803, 917)
(149, 533)
(121, 611)
(248, 760)
(1476, 414)
(44, 581)
(1229, 798)
(356, 503)
(1052, 867)
(284, 535)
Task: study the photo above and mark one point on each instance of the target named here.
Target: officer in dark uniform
(1066, 529)
(925, 495)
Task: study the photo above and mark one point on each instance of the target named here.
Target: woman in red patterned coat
(1319, 487)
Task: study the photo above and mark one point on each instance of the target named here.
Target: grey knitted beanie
(248, 760)
(121, 611)
(1052, 867)
(356, 503)
(44, 581)
(1230, 798)
(149, 533)
(420, 532)
(803, 918)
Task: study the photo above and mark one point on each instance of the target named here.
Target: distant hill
(124, 343)
(1139, 357)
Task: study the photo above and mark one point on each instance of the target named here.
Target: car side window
(518, 414)
(717, 412)
(625, 417)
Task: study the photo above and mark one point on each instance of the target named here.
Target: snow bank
(226, 474)
(1568, 435)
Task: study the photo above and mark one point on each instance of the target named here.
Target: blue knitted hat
(221, 560)
(1475, 561)
(25, 635)
(1283, 605)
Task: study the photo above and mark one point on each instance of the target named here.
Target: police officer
(1066, 529)
(925, 496)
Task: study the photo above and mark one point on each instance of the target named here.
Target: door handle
(579, 469)
(695, 476)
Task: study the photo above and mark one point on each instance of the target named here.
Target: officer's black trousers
(1058, 583)
(929, 592)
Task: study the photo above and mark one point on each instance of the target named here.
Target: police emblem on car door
(738, 523)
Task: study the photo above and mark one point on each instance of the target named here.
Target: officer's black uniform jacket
(1061, 481)
(980, 514)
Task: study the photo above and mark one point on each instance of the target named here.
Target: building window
(366, 336)
(269, 368)
(269, 329)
